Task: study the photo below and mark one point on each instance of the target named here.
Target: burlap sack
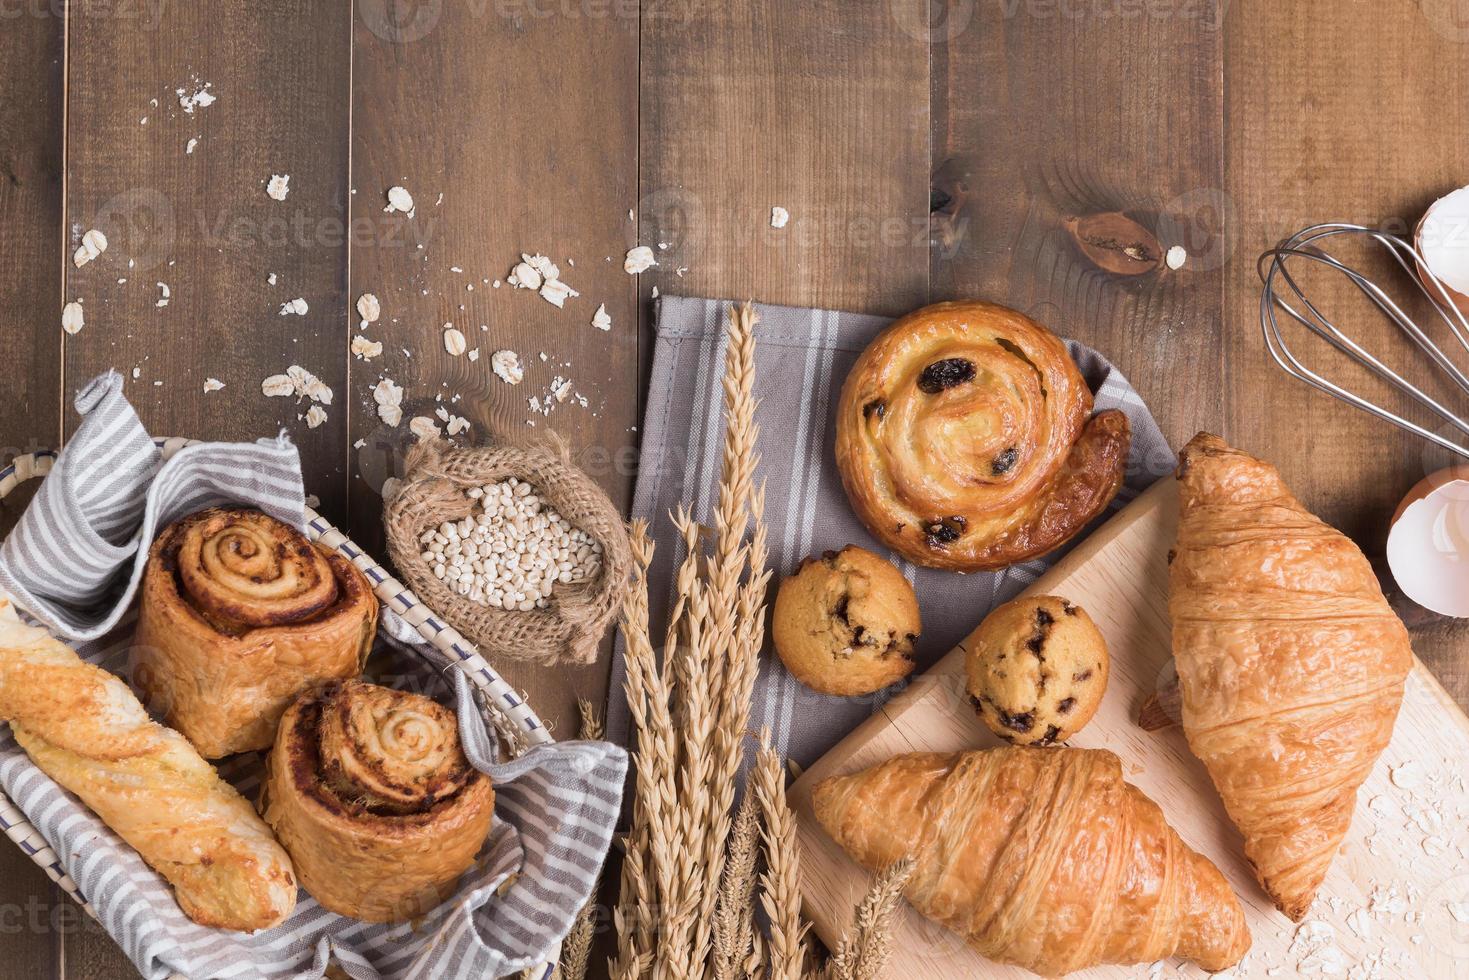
(572, 626)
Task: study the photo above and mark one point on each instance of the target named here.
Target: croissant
(1043, 858)
(966, 439)
(239, 614)
(1290, 661)
(84, 728)
(370, 791)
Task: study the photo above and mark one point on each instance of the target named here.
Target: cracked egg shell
(1428, 543)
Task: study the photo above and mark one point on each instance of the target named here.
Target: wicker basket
(505, 710)
(573, 624)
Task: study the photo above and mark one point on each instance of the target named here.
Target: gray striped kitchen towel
(75, 559)
(555, 806)
(802, 356)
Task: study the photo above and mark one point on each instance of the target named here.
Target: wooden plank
(1120, 576)
(514, 131)
(31, 133)
(820, 108)
(1361, 124)
(201, 222)
(1046, 112)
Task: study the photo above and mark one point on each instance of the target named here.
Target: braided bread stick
(85, 729)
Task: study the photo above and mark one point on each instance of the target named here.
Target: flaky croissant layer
(1040, 857)
(1290, 662)
(84, 728)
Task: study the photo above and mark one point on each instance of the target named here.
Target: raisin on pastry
(845, 623)
(1036, 668)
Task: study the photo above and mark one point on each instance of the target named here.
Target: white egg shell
(1428, 546)
(1442, 239)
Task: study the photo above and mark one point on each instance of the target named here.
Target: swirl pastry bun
(369, 791)
(239, 614)
(966, 439)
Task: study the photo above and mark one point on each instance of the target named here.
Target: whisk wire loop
(1280, 290)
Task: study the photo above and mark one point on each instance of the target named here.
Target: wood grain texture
(31, 54)
(820, 108)
(1047, 112)
(1364, 123)
(202, 223)
(1120, 576)
(514, 127)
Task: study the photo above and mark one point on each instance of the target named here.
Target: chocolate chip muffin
(1037, 667)
(845, 623)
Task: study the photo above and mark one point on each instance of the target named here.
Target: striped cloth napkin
(108, 495)
(555, 807)
(802, 356)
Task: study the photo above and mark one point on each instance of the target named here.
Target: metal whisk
(1280, 290)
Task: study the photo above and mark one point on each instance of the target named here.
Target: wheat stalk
(780, 884)
(734, 924)
(689, 875)
(865, 946)
(736, 583)
(646, 864)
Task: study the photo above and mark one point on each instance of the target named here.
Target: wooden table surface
(922, 153)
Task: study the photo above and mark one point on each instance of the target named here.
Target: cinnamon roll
(369, 791)
(239, 614)
(966, 439)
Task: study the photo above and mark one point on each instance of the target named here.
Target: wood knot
(1115, 243)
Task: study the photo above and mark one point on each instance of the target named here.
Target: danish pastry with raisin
(966, 439)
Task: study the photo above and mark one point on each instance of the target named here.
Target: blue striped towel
(555, 806)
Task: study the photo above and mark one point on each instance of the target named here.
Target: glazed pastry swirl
(370, 791)
(248, 568)
(966, 441)
(239, 614)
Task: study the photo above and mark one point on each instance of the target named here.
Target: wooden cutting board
(1412, 838)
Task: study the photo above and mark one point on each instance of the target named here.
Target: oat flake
(454, 341)
(507, 366)
(368, 308)
(639, 259)
(72, 319)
